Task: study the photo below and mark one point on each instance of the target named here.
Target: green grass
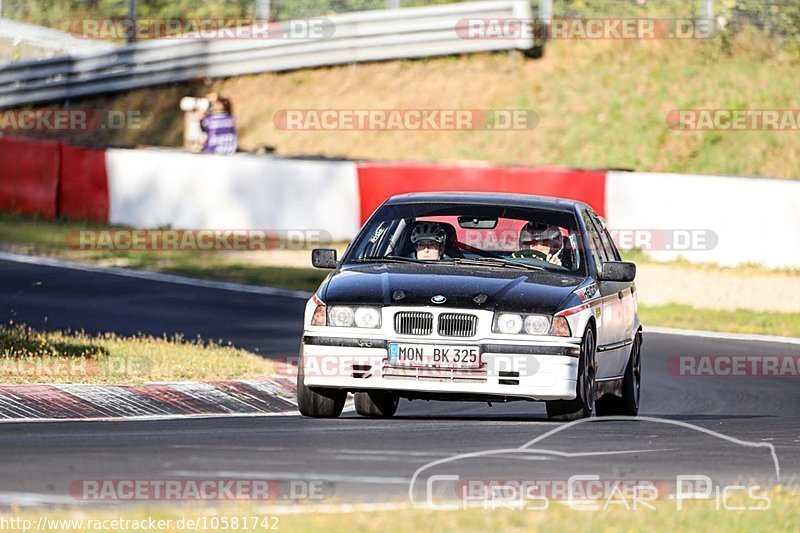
(31, 356)
(783, 515)
(601, 104)
(739, 321)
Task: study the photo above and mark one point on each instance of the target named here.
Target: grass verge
(37, 236)
(600, 103)
(739, 321)
(782, 515)
(30, 356)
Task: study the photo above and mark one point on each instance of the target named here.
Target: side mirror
(618, 271)
(323, 258)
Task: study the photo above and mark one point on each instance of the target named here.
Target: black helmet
(428, 231)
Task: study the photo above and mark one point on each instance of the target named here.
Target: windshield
(472, 236)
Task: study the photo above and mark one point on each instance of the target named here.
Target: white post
(708, 10)
(133, 8)
(545, 17)
(262, 9)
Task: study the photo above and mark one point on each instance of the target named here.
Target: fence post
(545, 17)
(262, 9)
(133, 8)
(707, 13)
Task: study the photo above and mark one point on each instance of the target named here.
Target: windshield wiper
(387, 259)
(496, 261)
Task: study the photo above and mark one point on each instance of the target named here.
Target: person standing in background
(219, 126)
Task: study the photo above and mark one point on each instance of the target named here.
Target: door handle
(620, 295)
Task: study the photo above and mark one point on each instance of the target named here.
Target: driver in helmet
(540, 241)
(428, 239)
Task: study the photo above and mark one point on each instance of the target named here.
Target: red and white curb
(259, 397)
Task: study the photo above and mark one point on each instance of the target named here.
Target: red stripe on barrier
(379, 181)
(29, 176)
(83, 188)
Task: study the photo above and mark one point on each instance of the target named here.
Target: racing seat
(567, 253)
(450, 248)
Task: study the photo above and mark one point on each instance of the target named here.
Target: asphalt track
(374, 460)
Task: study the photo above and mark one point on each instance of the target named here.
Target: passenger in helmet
(540, 241)
(428, 239)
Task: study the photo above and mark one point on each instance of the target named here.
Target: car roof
(488, 198)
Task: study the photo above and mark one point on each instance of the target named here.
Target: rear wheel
(318, 402)
(376, 404)
(585, 391)
(628, 404)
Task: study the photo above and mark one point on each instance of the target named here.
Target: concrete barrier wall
(752, 220)
(740, 220)
(151, 188)
(29, 173)
(379, 181)
(83, 184)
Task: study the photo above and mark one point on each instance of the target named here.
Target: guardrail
(357, 37)
(47, 41)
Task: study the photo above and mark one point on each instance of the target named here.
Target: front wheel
(376, 404)
(628, 404)
(317, 402)
(585, 391)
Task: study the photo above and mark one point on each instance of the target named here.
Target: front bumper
(534, 370)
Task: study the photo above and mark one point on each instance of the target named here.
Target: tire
(318, 402)
(628, 404)
(585, 388)
(376, 404)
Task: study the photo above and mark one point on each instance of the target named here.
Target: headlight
(508, 323)
(537, 324)
(368, 317)
(347, 317)
(341, 316)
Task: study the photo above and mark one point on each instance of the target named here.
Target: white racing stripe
(145, 418)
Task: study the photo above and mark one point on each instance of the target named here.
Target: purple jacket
(221, 131)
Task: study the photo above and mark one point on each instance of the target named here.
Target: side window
(596, 244)
(608, 243)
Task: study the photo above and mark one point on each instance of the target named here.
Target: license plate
(434, 355)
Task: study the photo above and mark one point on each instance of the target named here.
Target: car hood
(470, 287)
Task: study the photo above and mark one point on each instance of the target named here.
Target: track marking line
(153, 276)
(722, 335)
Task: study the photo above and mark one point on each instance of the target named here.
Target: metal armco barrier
(356, 37)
